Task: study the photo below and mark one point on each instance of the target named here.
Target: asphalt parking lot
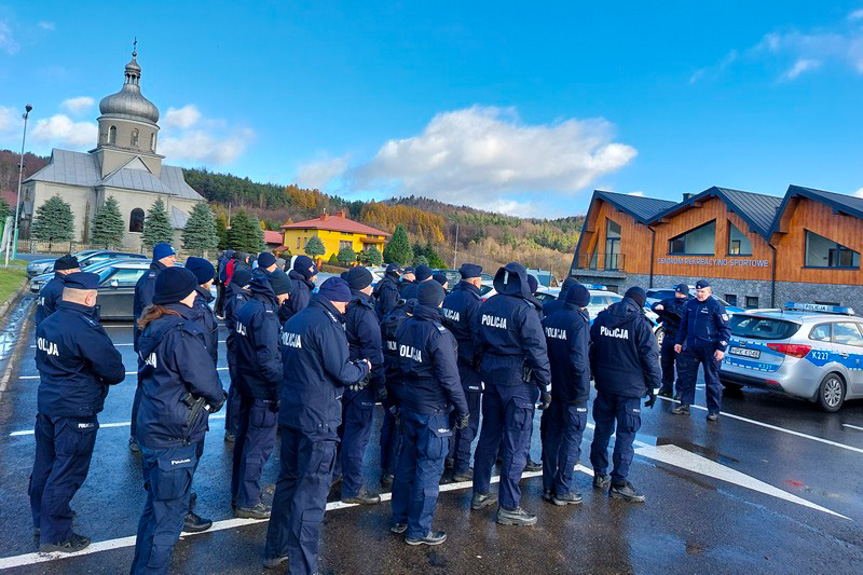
(774, 487)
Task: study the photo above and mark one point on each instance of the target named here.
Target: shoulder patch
(725, 317)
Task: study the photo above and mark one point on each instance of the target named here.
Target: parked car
(601, 298)
(41, 266)
(655, 295)
(91, 258)
(807, 350)
(39, 281)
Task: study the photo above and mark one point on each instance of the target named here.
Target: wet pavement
(774, 487)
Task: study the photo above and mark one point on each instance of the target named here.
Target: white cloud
(315, 175)
(184, 117)
(483, 156)
(8, 43)
(9, 119)
(712, 72)
(856, 15)
(60, 130)
(47, 26)
(199, 146)
(637, 193)
(859, 193)
(801, 66)
(77, 105)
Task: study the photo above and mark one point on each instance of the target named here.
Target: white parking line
(775, 427)
(122, 542)
(852, 426)
(24, 432)
(127, 373)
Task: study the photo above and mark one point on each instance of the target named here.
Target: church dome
(128, 103)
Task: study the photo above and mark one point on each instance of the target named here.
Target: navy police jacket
(259, 361)
(671, 314)
(389, 327)
(174, 363)
(386, 295)
(301, 294)
(407, 289)
(567, 334)
(144, 296)
(509, 334)
(364, 336)
(459, 316)
(554, 305)
(624, 357)
(237, 296)
(428, 360)
(704, 324)
(49, 296)
(209, 323)
(76, 362)
(316, 368)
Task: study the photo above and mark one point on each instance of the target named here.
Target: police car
(807, 350)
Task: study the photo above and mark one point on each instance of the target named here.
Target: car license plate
(742, 352)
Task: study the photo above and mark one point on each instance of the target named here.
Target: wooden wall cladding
(635, 238)
(720, 265)
(804, 214)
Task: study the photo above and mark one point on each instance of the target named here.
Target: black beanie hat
(67, 262)
(430, 294)
(280, 282)
(637, 294)
(173, 285)
(359, 278)
(423, 273)
(241, 278)
(577, 294)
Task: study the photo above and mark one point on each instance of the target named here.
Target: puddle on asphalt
(9, 335)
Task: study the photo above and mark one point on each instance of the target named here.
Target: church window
(136, 221)
(153, 142)
(112, 135)
(134, 139)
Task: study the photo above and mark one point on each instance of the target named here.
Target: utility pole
(13, 239)
(455, 247)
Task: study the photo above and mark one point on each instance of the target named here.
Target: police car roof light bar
(818, 308)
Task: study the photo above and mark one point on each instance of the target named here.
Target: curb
(13, 357)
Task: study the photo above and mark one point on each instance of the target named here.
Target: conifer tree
(108, 229)
(371, 257)
(246, 233)
(315, 247)
(200, 234)
(53, 222)
(157, 226)
(347, 255)
(398, 250)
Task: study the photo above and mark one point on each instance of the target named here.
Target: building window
(825, 253)
(112, 135)
(731, 299)
(612, 245)
(299, 242)
(345, 244)
(697, 242)
(136, 221)
(153, 142)
(133, 139)
(738, 244)
(751, 302)
(305, 242)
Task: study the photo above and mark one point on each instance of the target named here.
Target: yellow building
(335, 232)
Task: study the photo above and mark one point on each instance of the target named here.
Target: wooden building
(758, 250)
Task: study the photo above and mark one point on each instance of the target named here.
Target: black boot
(466, 475)
(72, 544)
(626, 492)
(363, 498)
(481, 500)
(533, 465)
(259, 511)
(517, 516)
(681, 409)
(570, 498)
(601, 481)
(431, 538)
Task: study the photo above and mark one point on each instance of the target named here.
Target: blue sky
(501, 105)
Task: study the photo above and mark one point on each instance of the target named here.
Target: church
(124, 164)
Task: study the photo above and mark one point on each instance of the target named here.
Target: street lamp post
(13, 239)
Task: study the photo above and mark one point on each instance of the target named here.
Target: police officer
(567, 334)
(267, 262)
(428, 359)
(552, 306)
(515, 371)
(441, 278)
(702, 339)
(390, 435)
(670, 312)
(364, 340)
(459, 316)
(238, 294)
(408, 279)
(76, 362)
(259, 370)
(624, 360)
(164, 257)
(179, 388)
(423, 274)
(303, 278)
(316, 368)
(386, 291)
(221, 278)
(204, 273)
(52, 292)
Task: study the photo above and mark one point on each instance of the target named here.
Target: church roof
(81, 169)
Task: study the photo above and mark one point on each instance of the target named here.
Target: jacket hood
(260, 287)
(204, 294)
(426, 312)
(624, 311)
(298, 277)
(511, 280)
(155, 331)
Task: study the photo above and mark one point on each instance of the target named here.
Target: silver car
(811, 351)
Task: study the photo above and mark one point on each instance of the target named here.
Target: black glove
(361, 384)
(651, 398)
(381, 393)
(462, 421)
(217, 408)
(544, 401)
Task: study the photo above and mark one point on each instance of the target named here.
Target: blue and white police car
(812, 351)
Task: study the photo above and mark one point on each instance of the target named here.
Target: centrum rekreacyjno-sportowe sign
(708, 261)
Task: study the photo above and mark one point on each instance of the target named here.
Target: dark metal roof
(841, 203)
(757, 210)
(639, 207)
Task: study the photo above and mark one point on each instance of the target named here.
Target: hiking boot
(481, 500)
(601, 481)
(72, 544)
(712, 417)
(665, 393)
(517, 516)
(466, 475)
(533, 465)
(363, 498)
(133, 445)
(626, 492)
(387, 480)
(275, 562)
(567, 499)
(398, 528)
(194, 523)
(681, 409)
(259, 511)
(230, 437)
(431, 538)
